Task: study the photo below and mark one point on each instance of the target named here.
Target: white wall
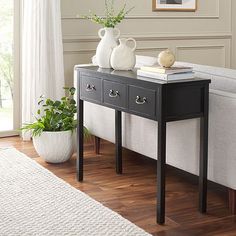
(204, 36)
(233, 62)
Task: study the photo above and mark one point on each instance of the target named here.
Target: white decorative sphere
(166, 58)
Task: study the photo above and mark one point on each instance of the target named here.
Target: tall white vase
(109, 37)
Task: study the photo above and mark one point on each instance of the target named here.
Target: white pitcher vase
(123, 56)
(109, 37)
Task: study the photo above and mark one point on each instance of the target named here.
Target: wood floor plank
(133, 194)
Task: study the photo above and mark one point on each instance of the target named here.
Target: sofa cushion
(221, 78)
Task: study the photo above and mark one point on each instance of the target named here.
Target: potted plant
(52, 132)
(108, 34)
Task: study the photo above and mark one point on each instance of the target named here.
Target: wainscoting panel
(213, 55)
(203, 37)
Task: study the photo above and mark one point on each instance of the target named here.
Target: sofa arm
(223, 93)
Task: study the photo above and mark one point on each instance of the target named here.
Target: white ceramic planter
(54, 147)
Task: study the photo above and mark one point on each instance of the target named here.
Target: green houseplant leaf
(55, 116)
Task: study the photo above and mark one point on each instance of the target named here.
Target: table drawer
(115, 94)
(91, 88)
(142, 100)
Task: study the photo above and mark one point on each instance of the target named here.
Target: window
(9, 66)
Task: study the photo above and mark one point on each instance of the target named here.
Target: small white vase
(106, 45)
(123, 57)
(54, 147)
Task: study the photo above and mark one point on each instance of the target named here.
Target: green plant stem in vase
(111, 18)
(109, 34)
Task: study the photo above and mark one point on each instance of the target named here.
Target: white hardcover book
(166, 77)
(171, 70)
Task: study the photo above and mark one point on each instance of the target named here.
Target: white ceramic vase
(123, 57)
(109, 37)
(54, 147)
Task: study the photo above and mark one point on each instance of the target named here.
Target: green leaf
(40, 102)
(72, 91)
(72, 101)
(55, 116)
(49, 102)
(57, 104)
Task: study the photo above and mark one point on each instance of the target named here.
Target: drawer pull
(113, 94)
(140, 101)
(90, 88)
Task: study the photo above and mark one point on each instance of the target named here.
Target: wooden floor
(133, 195)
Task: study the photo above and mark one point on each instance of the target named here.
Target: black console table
(153, 99)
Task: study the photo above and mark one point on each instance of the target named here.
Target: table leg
(80, 141)
(161, 169)
(118, 133)
(97, 144)
(204, 154)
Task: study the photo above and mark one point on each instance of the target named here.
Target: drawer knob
(140, 101)
(90, 88)
(113, 94)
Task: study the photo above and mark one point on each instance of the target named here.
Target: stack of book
(167, 74)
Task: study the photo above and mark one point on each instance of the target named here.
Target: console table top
(133, 75)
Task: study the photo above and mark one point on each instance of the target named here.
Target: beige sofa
(140, 134)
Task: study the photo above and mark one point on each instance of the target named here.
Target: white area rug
(33, 201)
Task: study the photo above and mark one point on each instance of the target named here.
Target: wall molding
(144, 49)
(93, 51)
(200, 46)
(81, 51)
(88, 51)
(148, 17)
(149, 37)
(221, 46)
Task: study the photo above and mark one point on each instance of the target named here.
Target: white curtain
(42, 55)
